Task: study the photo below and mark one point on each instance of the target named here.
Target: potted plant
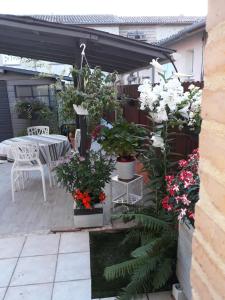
(183, 193)
(85, 179)
(123, 140)
(33, 110)
(92, 94)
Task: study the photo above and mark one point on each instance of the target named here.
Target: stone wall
(208, 260)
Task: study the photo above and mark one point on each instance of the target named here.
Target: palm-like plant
(152, 264)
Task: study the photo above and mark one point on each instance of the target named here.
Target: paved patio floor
(45, 267)
(35, 265)
(29, 213)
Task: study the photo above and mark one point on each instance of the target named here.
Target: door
(6, 131)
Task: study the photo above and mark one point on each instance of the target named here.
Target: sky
(116, 7)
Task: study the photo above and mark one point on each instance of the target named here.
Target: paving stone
(7, 267)
(34, 270)
(11, 247)
(73, 266)
(41, 245)
(2, 293)
(30, 292)
(74, 242)
(72, 290)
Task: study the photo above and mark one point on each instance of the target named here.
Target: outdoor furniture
(26, 159)
(38, 130)
(51, 148)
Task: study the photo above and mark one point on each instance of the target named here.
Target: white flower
(191, 87)
(157, 141)
(160, 116)
(184, 111)
(156, 65)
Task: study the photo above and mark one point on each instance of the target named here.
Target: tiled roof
(182, 34)
(111, 19)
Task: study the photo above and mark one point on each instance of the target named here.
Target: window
(189, 61)
(35, 92)
(137, 35)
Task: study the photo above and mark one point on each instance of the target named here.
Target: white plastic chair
(38, 130)
(26, 159)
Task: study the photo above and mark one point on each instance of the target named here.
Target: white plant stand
(130, 191)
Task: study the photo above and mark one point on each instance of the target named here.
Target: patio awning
(32, 38)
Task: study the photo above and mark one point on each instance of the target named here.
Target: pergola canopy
(56, 42)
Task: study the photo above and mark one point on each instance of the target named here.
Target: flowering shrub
(183, 189)
(167, 102)
(85, 178)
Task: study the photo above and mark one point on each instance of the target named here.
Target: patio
(29, 213)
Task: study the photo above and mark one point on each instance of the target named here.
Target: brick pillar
(208, 260)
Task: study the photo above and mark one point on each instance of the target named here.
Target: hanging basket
(80, 110)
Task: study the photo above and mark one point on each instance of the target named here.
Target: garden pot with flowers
(183, 193)
(123, 140)
(85, 179)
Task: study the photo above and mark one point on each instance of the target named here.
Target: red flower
(102, 196)
(78, 195)
(191, 215)
(183, 163)
(165, 203)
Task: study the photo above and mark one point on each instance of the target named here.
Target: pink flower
(169, 179)
(173, 189)
(183, 163)
(184, 175)
(182, 213)
(183, 199)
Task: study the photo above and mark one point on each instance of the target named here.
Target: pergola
(56, 42)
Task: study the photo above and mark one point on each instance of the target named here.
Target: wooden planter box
(184, 256)
(84, 218)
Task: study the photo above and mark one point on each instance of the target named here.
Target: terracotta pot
(139, 171)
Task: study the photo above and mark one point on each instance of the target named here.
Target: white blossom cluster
(167, 101)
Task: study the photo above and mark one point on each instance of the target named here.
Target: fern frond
(124, 268)
(164, 271)
(146, 249)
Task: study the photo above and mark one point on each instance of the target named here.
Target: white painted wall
(182, 47)
(164, 31)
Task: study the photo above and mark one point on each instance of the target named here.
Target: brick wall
(208, 260)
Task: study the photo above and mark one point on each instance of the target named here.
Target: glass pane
(40, 90)
(23, 91)
(44, 99)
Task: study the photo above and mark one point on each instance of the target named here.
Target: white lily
(156, 65)
(184, 111)
(158, 141)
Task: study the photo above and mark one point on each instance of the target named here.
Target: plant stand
(85, 218)
(132, 190)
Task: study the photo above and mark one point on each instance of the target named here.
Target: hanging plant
(93, 90)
